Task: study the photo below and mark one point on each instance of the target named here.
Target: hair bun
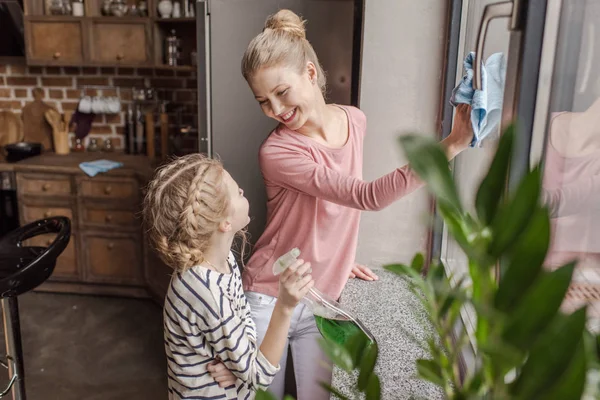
(288, 21)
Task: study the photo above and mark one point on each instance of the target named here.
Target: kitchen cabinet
(114, 42)
(108, 253)
(98, 40)
(54, 41)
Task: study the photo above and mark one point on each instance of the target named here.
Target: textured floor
(88, 348)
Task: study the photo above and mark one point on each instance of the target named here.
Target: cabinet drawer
(66, 264)
(47, 185)
(34, 213)
(113, 259)
(108, 218)
(118, 42)
(109, 189)
(54, 42)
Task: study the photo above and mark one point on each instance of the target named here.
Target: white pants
(311, 365)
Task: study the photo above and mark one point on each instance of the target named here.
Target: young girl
(193, 210)
(312, 168)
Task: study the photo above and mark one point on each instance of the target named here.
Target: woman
(312, 168)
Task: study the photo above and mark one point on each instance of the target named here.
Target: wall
(400, 92)
(61, 86)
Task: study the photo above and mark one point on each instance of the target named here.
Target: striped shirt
(206, 316)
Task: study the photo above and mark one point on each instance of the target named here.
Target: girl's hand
(363, 272)
(294, 283)
(221, 374)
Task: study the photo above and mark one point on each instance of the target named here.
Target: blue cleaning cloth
(486, 104)
(93, 168)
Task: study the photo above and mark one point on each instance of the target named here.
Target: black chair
(23, 268)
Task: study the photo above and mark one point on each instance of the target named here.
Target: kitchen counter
(384, 306)
(133, 165)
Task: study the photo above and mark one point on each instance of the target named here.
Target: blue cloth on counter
(93, 168)
(486, 104)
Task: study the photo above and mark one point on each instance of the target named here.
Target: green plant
(525, 348)
(357, 356)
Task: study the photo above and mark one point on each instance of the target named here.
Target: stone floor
(88, 348)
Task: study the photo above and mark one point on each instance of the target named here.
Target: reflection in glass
(572, 159)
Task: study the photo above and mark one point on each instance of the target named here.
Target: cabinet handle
(47, 214)
(110, 246)
(56, 55)
(107, 190)
(108, 218)
(120, 57)
(45, 187)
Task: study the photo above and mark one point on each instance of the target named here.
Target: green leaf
(417, 263)
(459, 230)
(491, 190)
(337, 354)
(367, 365)
(502, 354)
(428, 160)
(572, 384)
(538, 307)
(551, 356)
(262, 395)
(373, 388)
(356, 346)
(403, 270)
(525, 262)
(333, 391)
(430, 371)
(514, 216)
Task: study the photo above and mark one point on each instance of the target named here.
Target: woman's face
(286, 95)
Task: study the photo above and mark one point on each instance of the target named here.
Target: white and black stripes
(206, 316)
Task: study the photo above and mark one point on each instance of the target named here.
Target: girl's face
(238, 204)
(286, 95)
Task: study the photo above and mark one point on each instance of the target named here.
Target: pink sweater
(314, 198)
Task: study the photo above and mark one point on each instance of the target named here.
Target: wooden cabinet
(115, 42)
(66, 268)
(113, 258)
(54, 41)
(107, 252)
(44, 185)
(98, 40)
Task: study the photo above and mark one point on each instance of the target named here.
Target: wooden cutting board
(11, 128)
(35, 127)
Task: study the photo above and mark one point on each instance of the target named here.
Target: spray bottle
(334, 323)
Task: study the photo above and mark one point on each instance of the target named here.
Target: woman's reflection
(572, 189)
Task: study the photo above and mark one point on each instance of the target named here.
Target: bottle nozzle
(285, 261)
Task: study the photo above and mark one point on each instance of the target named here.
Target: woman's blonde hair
(282, 42)
(183, 207)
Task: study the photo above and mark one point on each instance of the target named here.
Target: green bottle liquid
(337, 330)
(334, 323)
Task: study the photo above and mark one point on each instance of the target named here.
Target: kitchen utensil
(22, 150)
(150, 149)
(11, 128)
(172, 49)
(35, 127)
(60, 133)
(108, 146)
(164, 133)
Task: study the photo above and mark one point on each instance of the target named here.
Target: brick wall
(62, 90)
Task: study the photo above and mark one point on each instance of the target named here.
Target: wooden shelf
(176, 67)
(70, 18)
(174, 20)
